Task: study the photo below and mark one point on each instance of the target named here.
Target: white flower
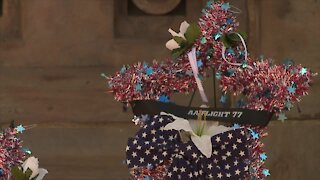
(172, 44)
(32, 163)
(202, 142)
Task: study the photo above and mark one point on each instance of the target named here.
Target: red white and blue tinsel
(11, 151)
(262, 85)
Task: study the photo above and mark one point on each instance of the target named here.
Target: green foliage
(17, 174)
(192, 34)
(232, 39)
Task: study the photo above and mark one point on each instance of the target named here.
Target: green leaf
(243, 34)
(235, 37)
(179, 40)
(28, 173)
(192, 33)
(226, 41)
(17, 174)
(177, 52)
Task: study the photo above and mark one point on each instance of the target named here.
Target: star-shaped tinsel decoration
(123, 70)
(164, 98)
(218, 75)
(266, 172)
(282, 117)
(303, 71)
(27, 150)
(236, 126)
(229, 21)
(20, 129)
(291, 89)
(203, 40)
(217, 35)
(254, 134)
(199, 63)
(209, 3)
(230, 51)
(263, 156)
(288, 105)
(138, 87)
(149, 71)
(225, 6)
(223, 99)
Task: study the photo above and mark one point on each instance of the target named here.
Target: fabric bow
(153, 146)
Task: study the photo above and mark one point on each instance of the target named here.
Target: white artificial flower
(172, 44)
(202, 142)
(42, 173)
(32, 163)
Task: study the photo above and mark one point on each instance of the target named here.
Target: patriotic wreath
(159, 149)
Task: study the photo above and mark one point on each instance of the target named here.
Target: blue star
(26, 150)
(288, 62)
(223, 99)
(164, 98)
(282, 117)
(231, 51)
(291, 89)
(254, 134)
(149, 71)
(225, 6)
(263, 156)
(266, 172)
(200, 77)
(240, 103)
(236, 126)
(139, 87)
(303, 71)
(199, 63)
(123, 70)
(218, 75)
(20, 129)
(244, 65)
(217, 35)
(288, 105)
(229, 21)
(203, 40)
(209, 3)
(230, 72)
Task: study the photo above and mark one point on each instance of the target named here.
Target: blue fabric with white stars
(153, 146)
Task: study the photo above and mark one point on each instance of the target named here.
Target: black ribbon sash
(226, 115)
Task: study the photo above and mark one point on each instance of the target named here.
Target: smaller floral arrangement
(17, 162)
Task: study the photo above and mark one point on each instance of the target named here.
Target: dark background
(52, 53)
